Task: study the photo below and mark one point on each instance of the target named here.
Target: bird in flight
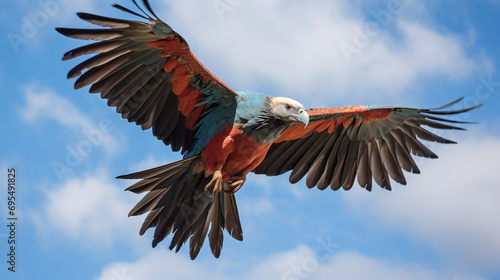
(148, 73)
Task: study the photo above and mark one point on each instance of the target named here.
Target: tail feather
(151, 220)
(143, 185)
(231, 216)
(160, 171)
(147, 203)
(198, 238)
(191, 230)
(178, 203)
(188, 210)
(215, 236)
(167, 218)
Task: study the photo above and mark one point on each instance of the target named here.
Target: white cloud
(453, 205)
(295, 47)
(353, 266)
(159, 264)
(90, 210)
(430, 52)
(299, 263)
(45, 104)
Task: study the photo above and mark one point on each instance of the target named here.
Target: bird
(147, 71)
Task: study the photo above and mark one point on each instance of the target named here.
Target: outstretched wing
(147, 71)
(364, 141)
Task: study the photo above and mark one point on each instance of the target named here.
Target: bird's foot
(236, 182)
(215, 185)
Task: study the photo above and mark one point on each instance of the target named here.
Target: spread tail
(178, 203)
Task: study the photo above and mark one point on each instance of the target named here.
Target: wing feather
(364, 171)
(305, 163)
(342, 155)
(279, 156)
(349, 173)
(367, 142)
(327, 175)
(148, 72)
(317, 168)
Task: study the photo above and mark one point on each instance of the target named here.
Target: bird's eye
(288, 107)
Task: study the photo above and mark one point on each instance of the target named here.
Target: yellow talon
(215, 185)
(236, 184)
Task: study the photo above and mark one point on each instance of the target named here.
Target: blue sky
(67, 146)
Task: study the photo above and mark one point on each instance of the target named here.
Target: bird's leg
(236, 183)
(215, 185)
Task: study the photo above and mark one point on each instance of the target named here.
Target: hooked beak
(303, 117)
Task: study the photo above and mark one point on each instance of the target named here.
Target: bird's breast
(234, 153)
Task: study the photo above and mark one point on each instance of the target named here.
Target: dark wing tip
(67, 56)
(436, 111)
(154, 243)
(128, 188)
(449, 104)
(84, 15)
(120, 7)
(62, 30)
(146, 3)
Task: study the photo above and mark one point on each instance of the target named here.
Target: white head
(288, 110)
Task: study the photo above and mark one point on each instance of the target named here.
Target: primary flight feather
(148, 72)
